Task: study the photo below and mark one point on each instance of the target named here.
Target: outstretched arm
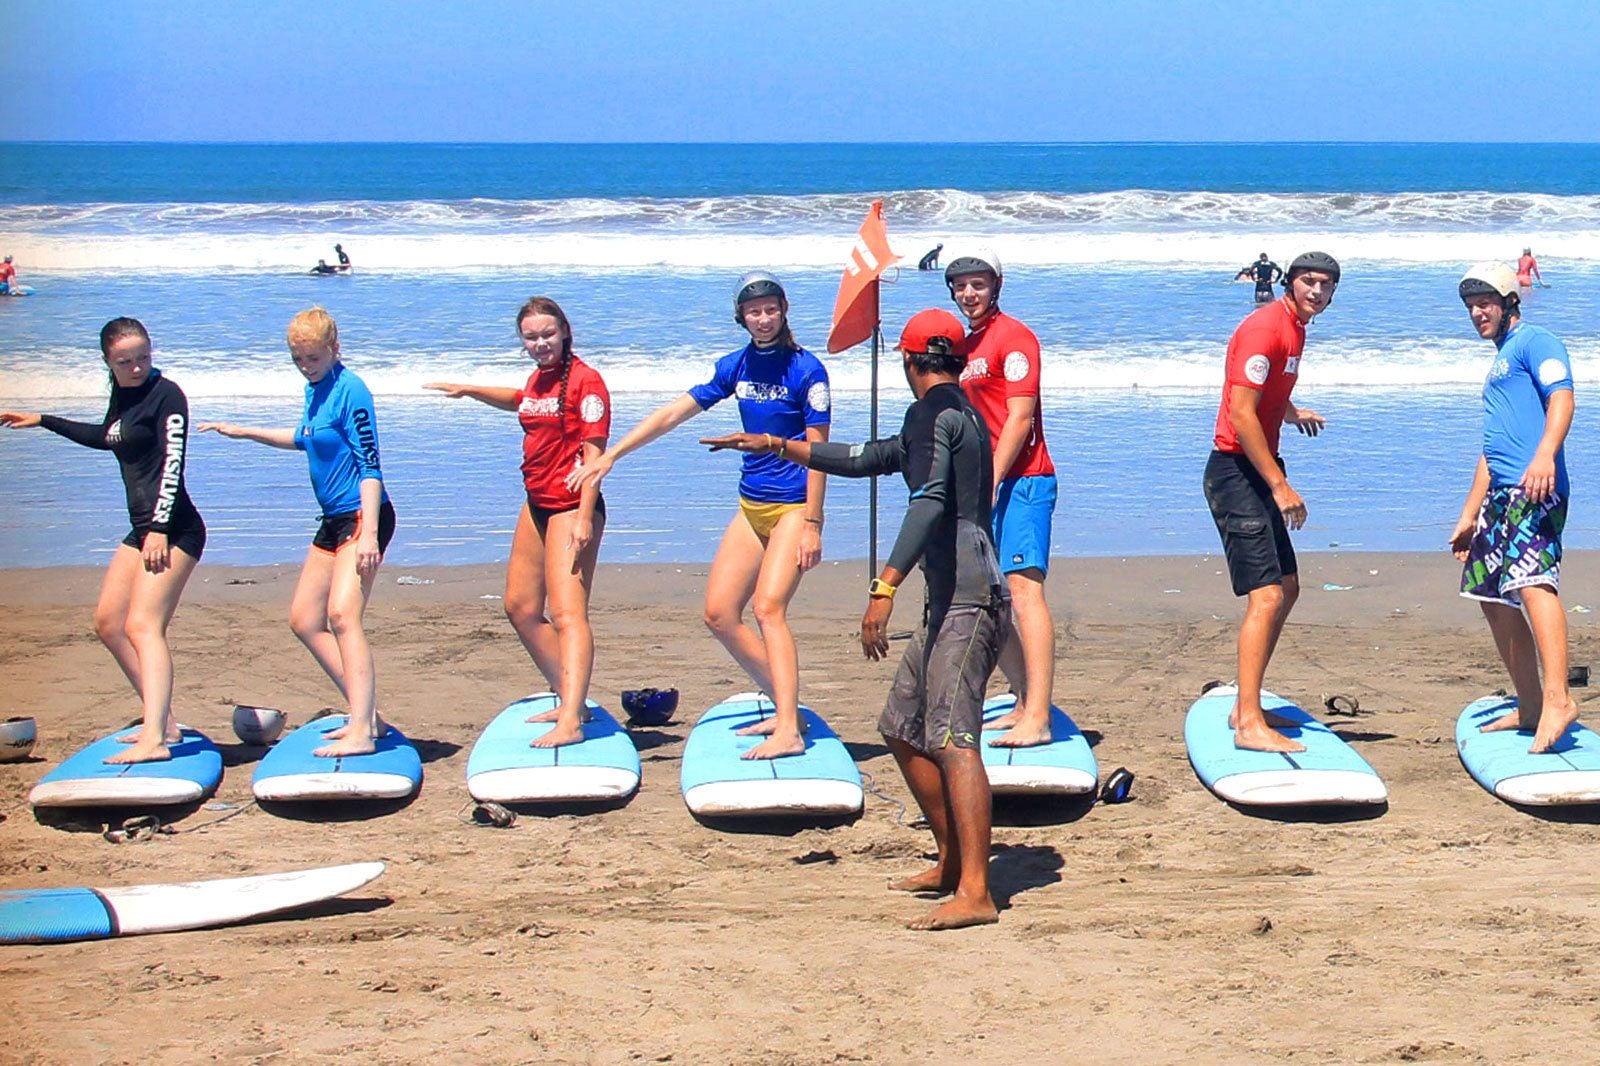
(876, 457)
(275, 438)
(658, 423)
(493, 395)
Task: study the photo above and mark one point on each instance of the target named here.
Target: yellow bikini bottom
(763, 517)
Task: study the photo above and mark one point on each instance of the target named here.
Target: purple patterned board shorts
(1516, 543)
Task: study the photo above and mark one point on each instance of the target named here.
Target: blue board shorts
(1516, 543)
(1022, 513)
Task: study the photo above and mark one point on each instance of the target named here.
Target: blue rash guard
(781, 391)
(339, 434)
(1531, 365)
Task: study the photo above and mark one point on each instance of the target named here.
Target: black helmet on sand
(1306, 262)
(753, 286)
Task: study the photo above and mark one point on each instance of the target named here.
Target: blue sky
(869, 70)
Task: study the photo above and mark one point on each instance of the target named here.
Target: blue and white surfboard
(289, 772)
(1568, 774)
(717, 782)
(504, 767)
(1064, 767)
(87, 780)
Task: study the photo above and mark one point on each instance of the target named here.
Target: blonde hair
(314, 325)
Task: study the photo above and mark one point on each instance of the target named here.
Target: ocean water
(1118, 256)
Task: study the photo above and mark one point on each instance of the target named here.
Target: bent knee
(109, 627)
(721, 621)
(770, 612)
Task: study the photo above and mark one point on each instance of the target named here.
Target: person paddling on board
(1265, 272)
(1002, 381)
(339, 434)
(931, 260)
(1247, 487)
(146, 427)
(776, 536)
(344, 260)
(1528, 270)
(565, 412)
(8, 274)
(1509, 532)
(322, 267)
(934, 713)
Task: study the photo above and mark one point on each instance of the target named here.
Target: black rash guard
(943, 452)
(147, 428)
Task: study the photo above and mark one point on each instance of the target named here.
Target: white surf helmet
(753, 286)
(1486, 278)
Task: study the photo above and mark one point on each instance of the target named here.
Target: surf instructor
(1247, 486)
(1264, 272)
(934, 713)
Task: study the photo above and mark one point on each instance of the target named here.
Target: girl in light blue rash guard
(776, 536)
(339, 434)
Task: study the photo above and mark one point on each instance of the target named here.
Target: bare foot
(932, 880)
(1024, 736)
(1275, 720)
(1553, 724)
(1513, 720)
(1265, 738)
(563, 733)
(958, 913)
(554, 715)
(765, 727)
(1005, 721)
(346, 746)
(173, 737)
(140, 751)
(378, 730)
(777, 746)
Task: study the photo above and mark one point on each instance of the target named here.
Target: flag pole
(872, 483)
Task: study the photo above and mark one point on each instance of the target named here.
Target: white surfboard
(53, 915)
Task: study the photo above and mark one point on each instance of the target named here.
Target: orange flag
(855, 312)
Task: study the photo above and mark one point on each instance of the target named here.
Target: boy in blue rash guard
(1509, 532)
(934, 713)
(339, 434)
(782, 391)
(146, 426)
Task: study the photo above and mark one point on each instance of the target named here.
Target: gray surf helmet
(753, 286)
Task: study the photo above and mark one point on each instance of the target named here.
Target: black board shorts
(1254, 536)
(337, 530)
(190, 538)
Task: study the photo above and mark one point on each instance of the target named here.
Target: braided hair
(543, 305)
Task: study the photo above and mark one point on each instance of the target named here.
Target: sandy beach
(1450, 928)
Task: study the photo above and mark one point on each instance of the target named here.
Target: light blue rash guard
(1530, 366)
(339, 434)
(781, 391)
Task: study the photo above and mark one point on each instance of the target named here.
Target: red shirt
(1525, 268)
(1002, 362)
(1263, 354)
(7, 272)
(552, 439)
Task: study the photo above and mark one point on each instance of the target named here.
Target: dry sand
(1452, 928)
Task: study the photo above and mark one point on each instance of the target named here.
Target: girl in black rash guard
(147, 427)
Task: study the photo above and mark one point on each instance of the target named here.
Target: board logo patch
(592, 409)
(817, 397)
(1552, 371)
(1256, 369)
(1016, 366)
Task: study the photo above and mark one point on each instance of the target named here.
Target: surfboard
(717, 782)
(86, 780)
(1501, 763)
(289, 772)
(503, 768)
(1064, 767)
(1328, 773)
(55, 915)
(19, 290)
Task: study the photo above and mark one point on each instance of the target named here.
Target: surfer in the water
(147, 427)
(1527, 270)
(776, 536)
(344, 259)
(8, 275)
(565, 412)
(930, 261)
(1002, 381)
(1509, 532)
(339, 434)
(934, 714)
(1265, 272)
(1246, 486)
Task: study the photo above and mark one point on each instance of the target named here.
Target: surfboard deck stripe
(504, 768)
(1064, 767)
(57, 915)
(1502, 764)
(87, 780)
(1329, 772)
(717, 781)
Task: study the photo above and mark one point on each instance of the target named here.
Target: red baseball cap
(926, 325)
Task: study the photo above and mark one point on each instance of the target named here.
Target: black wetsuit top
(344, 260)
(147, 428)
(943, 452)
(1265, 273)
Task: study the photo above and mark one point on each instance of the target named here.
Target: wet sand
(1450, 928)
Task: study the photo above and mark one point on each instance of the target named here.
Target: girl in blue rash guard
(147, 427)
(782, 390)
(339, 434)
